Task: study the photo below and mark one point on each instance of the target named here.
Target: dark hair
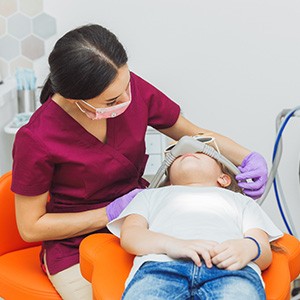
(83, 63)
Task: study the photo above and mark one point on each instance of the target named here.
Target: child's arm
(236, 254)
(137, 239)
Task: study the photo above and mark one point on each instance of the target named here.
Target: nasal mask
(188, 144)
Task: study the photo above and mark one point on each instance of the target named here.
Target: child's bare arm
(236, 254)
(137, 239)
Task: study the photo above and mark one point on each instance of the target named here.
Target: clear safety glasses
(201, 138)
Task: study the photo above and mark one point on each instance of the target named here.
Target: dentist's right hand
(114, 209)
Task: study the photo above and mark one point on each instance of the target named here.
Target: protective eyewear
(201, 138)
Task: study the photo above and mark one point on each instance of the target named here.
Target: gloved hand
(114, 208)
(253, 167)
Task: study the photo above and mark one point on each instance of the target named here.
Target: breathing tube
(188, 144)
(273, 175)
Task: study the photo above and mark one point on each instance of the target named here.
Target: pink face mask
(105, 112)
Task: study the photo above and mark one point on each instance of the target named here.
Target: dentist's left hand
(114, 209)
(253, 167)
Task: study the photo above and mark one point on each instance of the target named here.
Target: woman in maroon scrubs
(85, 148)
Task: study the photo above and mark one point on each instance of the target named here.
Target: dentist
(80, 159)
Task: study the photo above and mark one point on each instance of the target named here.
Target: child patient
(195, 239)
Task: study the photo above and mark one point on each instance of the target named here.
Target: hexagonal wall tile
(44, 26)
(2, 26)
(31, 7)
(32, 47)
(8, 7)
(19, 26)
(25, 31)
(9, 47)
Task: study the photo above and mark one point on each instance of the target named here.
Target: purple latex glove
(114, 208)
(253, 167)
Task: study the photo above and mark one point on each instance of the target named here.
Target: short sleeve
(162, 111)
(255, 217)
(139, 205)
(32, 167)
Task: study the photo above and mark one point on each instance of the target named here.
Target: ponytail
(47, 91)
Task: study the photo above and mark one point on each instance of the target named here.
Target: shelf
(18, 121)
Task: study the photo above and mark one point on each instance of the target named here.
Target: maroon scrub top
(55, 153)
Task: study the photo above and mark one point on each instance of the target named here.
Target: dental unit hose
(281, 122)
(189, 144)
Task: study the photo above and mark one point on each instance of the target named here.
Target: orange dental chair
(103, 262)
(106, 265)
(21, 277)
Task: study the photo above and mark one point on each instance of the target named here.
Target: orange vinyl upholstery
(106, 265)
(21, 276)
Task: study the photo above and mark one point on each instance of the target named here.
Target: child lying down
(198, 238)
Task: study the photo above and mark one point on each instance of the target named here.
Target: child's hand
(193, 249)
(233, 254)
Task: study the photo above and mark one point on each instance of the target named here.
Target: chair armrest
(10, 239)
(105, 264)
(277, 278)
(285, 267)
(291, 247)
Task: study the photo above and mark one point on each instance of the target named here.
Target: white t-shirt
(191, 212)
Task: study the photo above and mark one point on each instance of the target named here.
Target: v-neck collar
(70, 123)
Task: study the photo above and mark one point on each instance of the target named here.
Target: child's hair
(233, 186)
(276, 247)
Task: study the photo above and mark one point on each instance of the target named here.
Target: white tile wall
(24, 29)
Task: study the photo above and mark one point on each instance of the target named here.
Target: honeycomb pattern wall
(24, 28)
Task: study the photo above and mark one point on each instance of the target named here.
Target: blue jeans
(184, 280)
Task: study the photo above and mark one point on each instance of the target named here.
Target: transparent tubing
(188, 144)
